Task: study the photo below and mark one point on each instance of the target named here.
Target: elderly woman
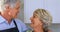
(41, 20)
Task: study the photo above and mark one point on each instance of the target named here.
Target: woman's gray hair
(45, 16)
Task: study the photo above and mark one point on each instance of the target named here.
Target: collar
(2, 19)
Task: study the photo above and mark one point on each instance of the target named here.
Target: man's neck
(7, 17)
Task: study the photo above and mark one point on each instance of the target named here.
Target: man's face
(15, 10)
(14, 13)
(11, 11)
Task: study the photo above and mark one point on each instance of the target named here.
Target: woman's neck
(38, 28)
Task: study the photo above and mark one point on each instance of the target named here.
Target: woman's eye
(33, 16)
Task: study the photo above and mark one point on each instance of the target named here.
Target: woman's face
(35, 20)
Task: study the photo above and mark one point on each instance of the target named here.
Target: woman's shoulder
(18, 21)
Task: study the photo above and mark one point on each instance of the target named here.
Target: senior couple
(40, 21)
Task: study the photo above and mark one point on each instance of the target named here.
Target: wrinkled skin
(11, 13)
(14, 11)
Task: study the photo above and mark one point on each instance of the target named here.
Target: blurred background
(21, 14)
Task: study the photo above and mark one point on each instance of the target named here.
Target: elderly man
(8, 14)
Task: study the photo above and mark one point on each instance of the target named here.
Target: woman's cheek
(36, 21)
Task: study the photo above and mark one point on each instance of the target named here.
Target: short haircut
(4, 2)
(44, 16)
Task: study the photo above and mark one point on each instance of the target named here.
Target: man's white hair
(4, 2)
(1, 3)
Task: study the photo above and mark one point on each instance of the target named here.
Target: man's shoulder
(21, 24)
(18, 21)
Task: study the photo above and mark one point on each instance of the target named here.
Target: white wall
(53, 6)
(29, 7)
